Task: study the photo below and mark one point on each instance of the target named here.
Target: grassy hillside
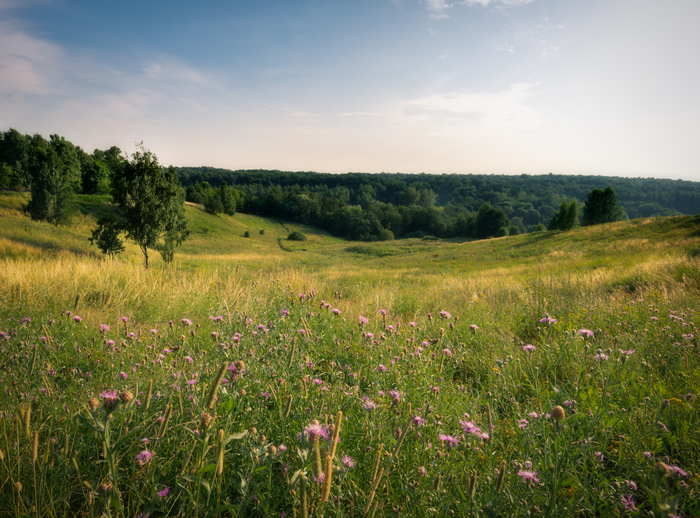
(551, 374)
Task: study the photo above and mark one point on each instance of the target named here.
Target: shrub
(386, 235)
(296, 236)
(262, 231)
(246, 233)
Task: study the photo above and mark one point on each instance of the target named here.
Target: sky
(595, 87)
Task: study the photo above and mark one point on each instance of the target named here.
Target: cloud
(27, 64)
(437, 8)
(481, 113)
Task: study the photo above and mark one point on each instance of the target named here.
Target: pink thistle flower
(186, 322)
(449, 440)
(528, 348)
(144, 457)
(163, 493)
(529, 476)
(104, 328)
(363, 320)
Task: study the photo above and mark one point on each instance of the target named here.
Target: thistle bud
(558, 413)
(126, 396)
(93, 403)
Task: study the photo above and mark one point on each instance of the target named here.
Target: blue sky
(471, 86)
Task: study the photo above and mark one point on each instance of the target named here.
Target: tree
(107, 237)
(601, 207)
(54, 169)
(491, 222)
(152, 204)
(566, 218)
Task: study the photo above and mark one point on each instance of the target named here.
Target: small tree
(601, 207)
(152, 204)
(566, 218)
(107, 237)
(296, 236)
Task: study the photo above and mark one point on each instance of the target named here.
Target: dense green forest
(355, 206)
(361, 206)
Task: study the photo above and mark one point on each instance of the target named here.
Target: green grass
(635, 285)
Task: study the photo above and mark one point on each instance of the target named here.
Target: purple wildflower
(529, 476)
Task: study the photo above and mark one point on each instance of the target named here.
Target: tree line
(361, 206)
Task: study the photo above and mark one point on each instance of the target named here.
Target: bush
(296, 236)
(246, 233)
(386, 235)
(262, 231)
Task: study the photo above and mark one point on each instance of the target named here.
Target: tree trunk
(145, 254)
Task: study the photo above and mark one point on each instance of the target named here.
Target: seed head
(93, 403)
(558, 413)
(272, 450)
(126, 396)
(240, 365)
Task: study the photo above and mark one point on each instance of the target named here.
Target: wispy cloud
(437, 8)
(482, 113)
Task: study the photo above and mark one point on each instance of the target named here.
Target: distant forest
(362, 206)
(355, 206)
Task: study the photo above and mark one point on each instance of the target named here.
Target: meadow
(547, 374)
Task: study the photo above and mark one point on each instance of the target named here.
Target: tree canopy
(601, 207)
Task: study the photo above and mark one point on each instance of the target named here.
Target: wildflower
(522, 423)
(124, 319)
(586, 333)
(422, 471)
(648, 454)
(26, 320)
(104, 328)
(600, 357)
(628, 503)
(418, 420)
(110, 399)
(284, 313)
(363, 320)
(533, 415)
(630, 352)
(144, 457)
(447, 352)
(123, 375)
(395, 396)
(599, 455)
(474, 328)
(282, 448)
(382, 368)
(315, 430)
(348, 462)
(164, 492)
(336, 311)
(77, 319)
(448, 440)
(302, 296)
(548, 320)
(413, 324)
(154, 331)
(677, 471)
(528, 348)
(383, 312)
(188, 359)
(369, 405)
(529, 476)
(186, 322)
(445, 314)
(631, 485)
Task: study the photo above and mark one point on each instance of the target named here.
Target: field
(550, 374)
